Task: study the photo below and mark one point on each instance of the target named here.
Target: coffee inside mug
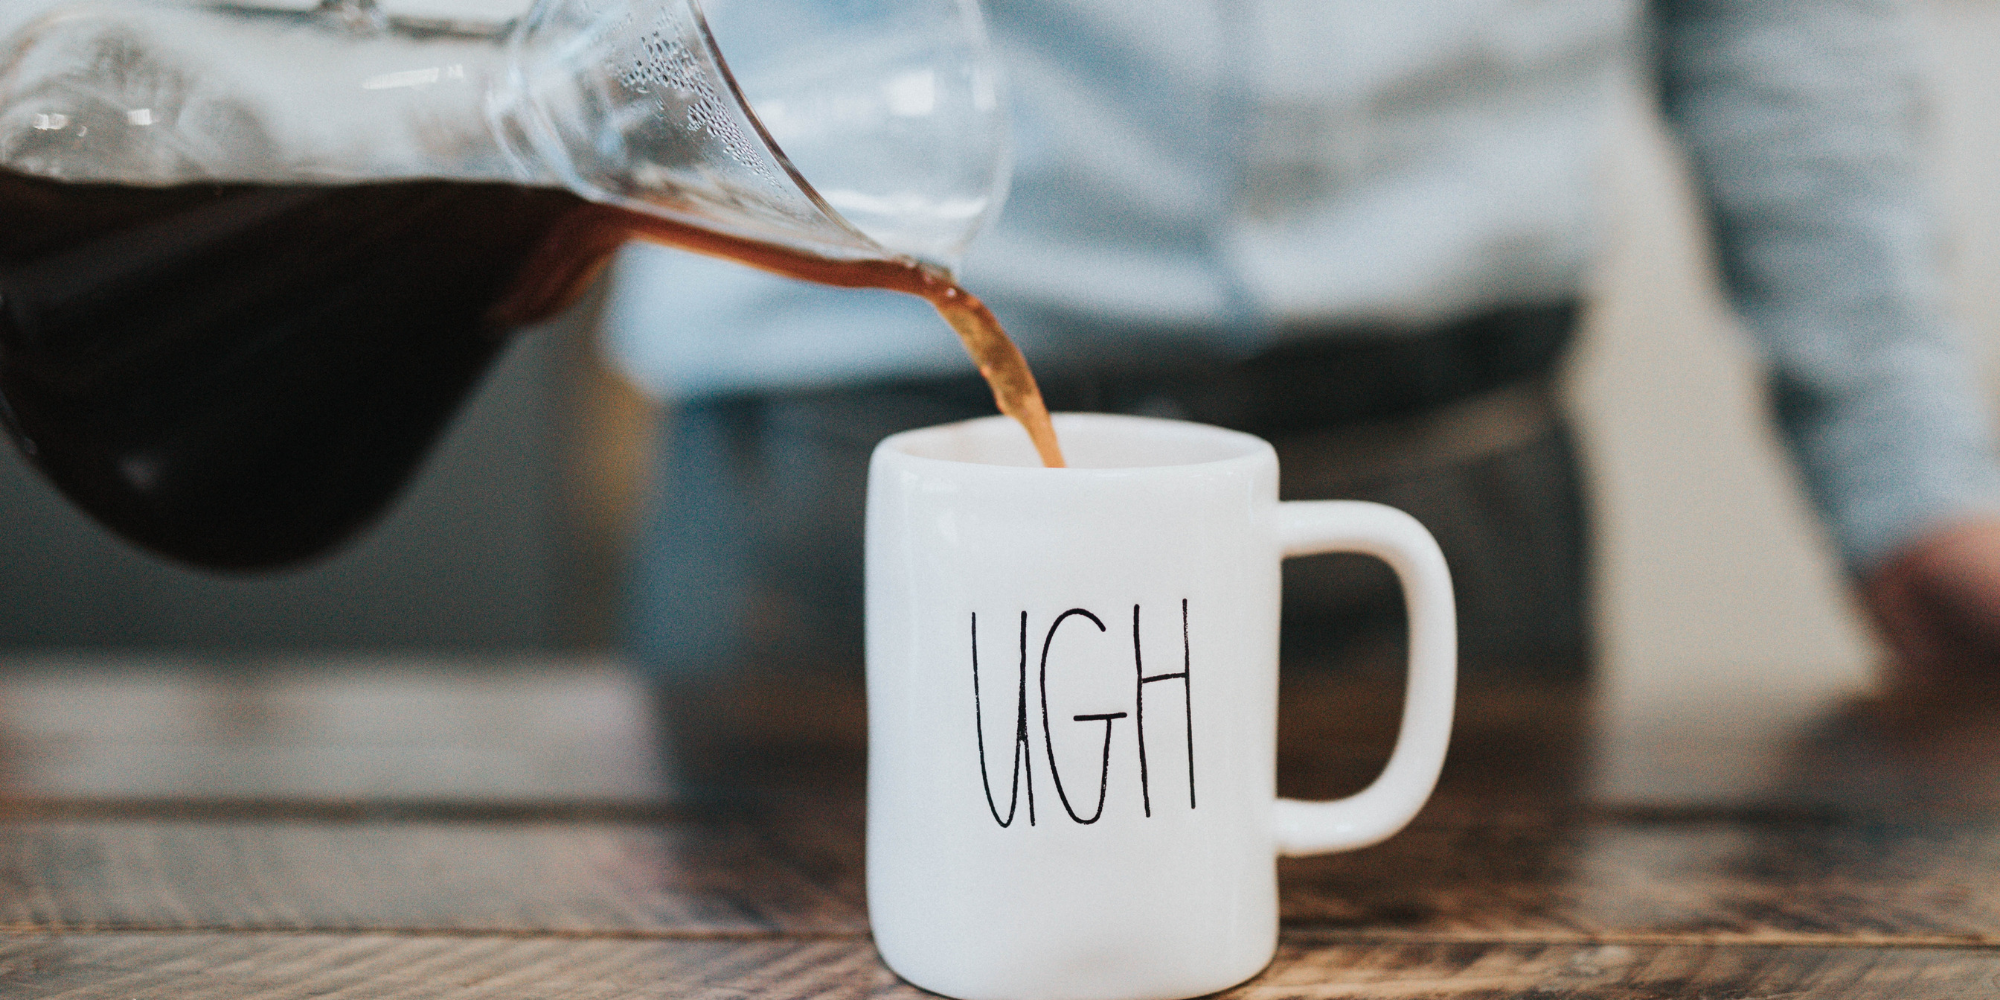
(1090, 441)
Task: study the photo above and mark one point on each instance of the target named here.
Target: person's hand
(1937, 601)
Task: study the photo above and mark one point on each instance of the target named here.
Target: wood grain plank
(580, 731)
(324, 728)
(381, 967)
(1624, 972)
(332, 730)
(1865, 755)
(1742, 881)
(798, 869)
(729, 877)
(1533, 752)
(273, 967)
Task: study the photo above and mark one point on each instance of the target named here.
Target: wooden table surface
(401, 829)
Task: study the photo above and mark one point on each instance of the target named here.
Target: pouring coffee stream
(239, 363)
(999, 360)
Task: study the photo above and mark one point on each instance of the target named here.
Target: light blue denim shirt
(1201, 175)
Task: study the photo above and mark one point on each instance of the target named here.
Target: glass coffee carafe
(252, 258)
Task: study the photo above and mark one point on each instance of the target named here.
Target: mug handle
(1309, 527)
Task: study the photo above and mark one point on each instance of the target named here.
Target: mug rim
(1211, 446)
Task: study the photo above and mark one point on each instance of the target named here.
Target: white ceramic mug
(1072, 701)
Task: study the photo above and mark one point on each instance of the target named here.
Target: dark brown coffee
(242, 376)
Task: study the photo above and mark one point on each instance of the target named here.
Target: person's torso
(1224, 169)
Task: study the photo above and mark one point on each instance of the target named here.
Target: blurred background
(513, 539)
